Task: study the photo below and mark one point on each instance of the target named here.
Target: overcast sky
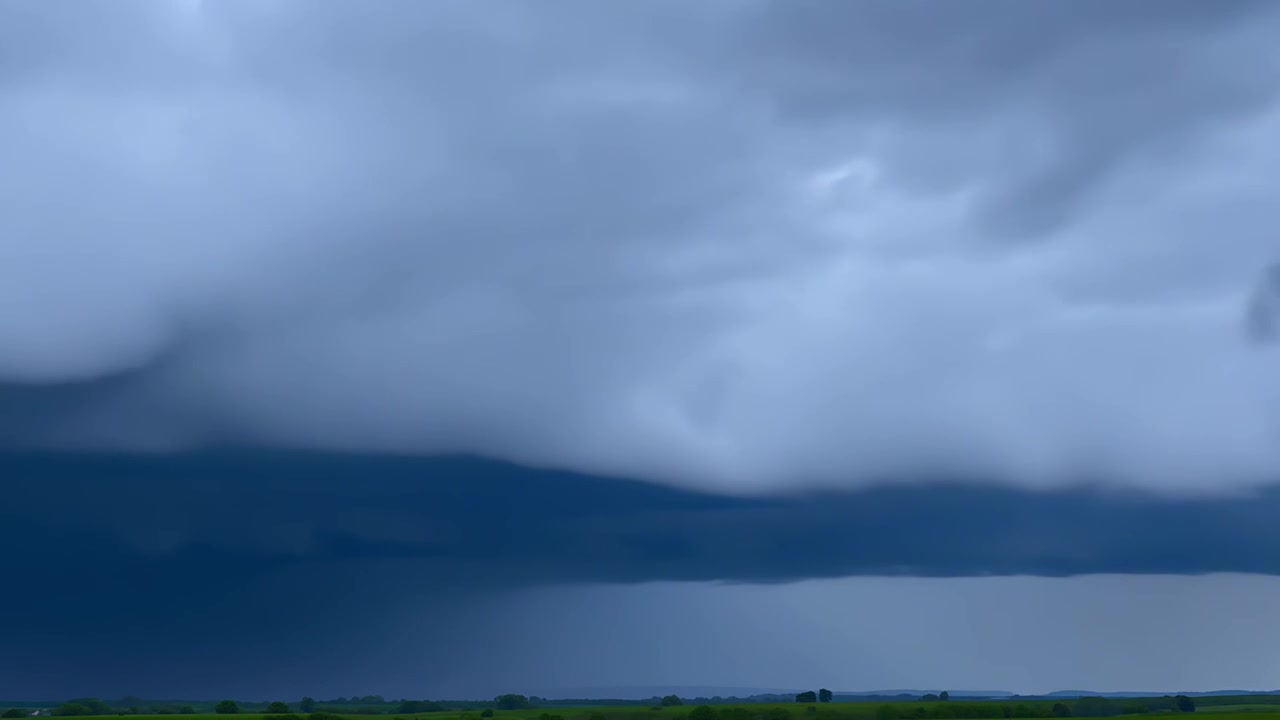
(974, 265)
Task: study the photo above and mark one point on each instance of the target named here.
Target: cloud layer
(283, 574)
(736, 246)
(484, 524)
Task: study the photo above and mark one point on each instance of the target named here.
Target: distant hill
(1131, 694)
(632, 694)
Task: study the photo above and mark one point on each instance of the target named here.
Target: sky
(413, 348)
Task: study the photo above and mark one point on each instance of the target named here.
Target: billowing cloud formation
(738, 245)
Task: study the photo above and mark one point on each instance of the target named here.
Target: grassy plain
(1256, 707)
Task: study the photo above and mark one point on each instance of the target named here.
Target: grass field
(794, 711)
(1256, 707)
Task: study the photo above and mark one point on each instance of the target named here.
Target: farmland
(1210, 708)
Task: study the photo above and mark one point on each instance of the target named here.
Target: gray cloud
(1264, 307)
(735, 245)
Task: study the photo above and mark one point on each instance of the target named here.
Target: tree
(277, 708)
(1094, 707)
(703, 712)
(308, 705)
(944, 696)
(227, 707)
(413, 707)
(83, 706)
(824, 695)
(14, 713)
(511, 702)
(1184, 703)
(808, 696)
(671, 701)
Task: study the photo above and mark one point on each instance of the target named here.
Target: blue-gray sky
(774, 293)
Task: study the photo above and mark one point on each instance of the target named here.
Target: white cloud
(723, 252)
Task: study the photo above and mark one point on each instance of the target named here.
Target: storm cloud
(268, 574)
(402, 346)
(738, 246)
(486, 524)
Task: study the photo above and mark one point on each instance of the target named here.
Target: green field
(977, 710)
(1257, 707)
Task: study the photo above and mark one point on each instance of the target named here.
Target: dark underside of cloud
(202, 571)
(488, 523)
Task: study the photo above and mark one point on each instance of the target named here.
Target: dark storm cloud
(731, 245)
(261, 574)
(484, 523)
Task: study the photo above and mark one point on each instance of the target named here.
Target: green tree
(308, 705)
(277, 708)
(511, 702)
(1094, 707)
(82, 706)
(227, 707)
(944, 696)
(824, 695)
(412, 707)
(671, 701)
(808, 696)
(1184, 703)
(703, 712)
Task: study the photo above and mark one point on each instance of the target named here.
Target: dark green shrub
(704, 712)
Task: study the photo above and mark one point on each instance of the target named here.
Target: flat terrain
(754, 711)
